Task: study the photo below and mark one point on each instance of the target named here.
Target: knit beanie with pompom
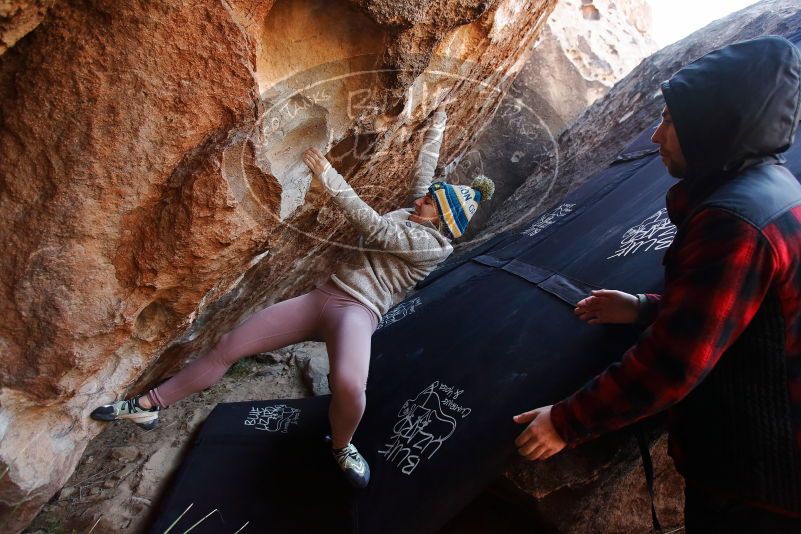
(458, 203)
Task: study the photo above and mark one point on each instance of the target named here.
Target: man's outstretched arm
(722, 273)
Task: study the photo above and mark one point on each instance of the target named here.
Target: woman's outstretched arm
(359, 213)
(429, 155)
(377, 230)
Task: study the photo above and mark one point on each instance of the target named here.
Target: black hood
(735, 104)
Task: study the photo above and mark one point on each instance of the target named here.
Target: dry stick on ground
(93, 526)
(97, 475)
(87, 484)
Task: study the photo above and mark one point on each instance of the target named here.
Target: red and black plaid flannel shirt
(715, 280)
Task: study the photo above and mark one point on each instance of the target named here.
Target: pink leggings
(325, 314)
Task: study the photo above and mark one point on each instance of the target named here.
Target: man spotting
(723, 351)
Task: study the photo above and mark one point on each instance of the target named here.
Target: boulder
(600, 488)
(152, 192)
(576, 60)
(587, 54)
(312, 359)
(605, 128)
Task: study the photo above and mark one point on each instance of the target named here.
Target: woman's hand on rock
(315, 161)
(442, 99)
(608, 306)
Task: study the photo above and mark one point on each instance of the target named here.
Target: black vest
(734, 428)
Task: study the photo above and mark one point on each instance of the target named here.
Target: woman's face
(426, 208)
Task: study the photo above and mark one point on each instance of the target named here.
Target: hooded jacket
(723, 353)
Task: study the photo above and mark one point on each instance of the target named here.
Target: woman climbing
(395, 252)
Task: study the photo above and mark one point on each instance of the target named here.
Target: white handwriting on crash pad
(654, 233)
(424, 424)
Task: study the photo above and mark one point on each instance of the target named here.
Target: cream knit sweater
(393, 253)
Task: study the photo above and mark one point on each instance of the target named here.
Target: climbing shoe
(128, 409)
(353, 465)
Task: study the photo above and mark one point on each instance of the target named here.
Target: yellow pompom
(484, 185)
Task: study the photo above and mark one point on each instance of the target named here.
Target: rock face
(576, 60)
(152, 195)
(600, 488)
(124, 470)
(602, 131)
(588, 47)
(18, 17)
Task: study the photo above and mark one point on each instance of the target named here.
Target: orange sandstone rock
(150, 201)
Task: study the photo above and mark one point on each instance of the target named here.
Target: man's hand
(315, 161)
(539, 440)
(608, 306)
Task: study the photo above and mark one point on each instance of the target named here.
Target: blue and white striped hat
(458, 203)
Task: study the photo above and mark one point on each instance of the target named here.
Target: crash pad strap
(490, 261)
(567, 289)
(532, 273)
(562, 287)
(648, 467)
